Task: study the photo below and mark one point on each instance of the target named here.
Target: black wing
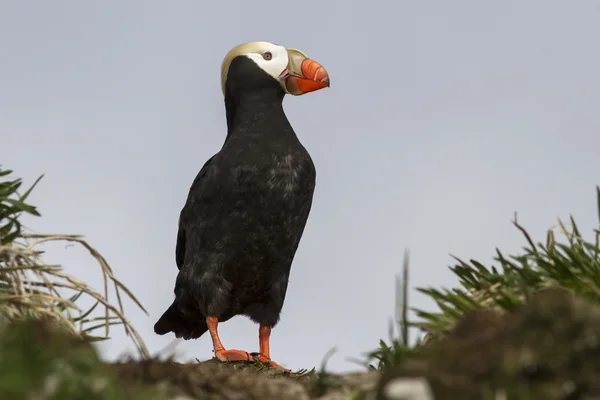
(180, 246)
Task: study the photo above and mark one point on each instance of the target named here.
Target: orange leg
(264, 334)
(220, 352)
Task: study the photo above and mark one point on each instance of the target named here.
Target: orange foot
(232, 355)
(257, 357)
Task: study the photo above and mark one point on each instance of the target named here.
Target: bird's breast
(285, 175)
(276, 175)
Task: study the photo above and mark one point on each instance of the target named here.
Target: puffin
(248, 206)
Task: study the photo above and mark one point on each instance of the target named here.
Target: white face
(270, 58)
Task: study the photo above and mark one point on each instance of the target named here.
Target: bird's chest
(285, 176)
(277, 179)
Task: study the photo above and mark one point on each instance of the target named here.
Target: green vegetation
(12, 205)
(41, 360)
(44, 334)
(526, 328)
(30, 287)
(573, 265)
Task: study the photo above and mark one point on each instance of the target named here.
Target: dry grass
(29, 287)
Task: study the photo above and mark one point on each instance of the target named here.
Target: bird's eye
(267, 56)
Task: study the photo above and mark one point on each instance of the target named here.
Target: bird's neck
(259, 113)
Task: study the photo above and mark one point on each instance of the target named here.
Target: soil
(228, 381)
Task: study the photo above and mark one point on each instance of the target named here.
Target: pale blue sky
(443, 119)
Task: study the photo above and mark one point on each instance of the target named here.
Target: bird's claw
(259, 358)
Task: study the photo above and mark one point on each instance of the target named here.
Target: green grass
(30, 287)
(12, 206)
(573, 264)
(569, 261)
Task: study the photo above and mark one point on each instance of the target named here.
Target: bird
(247, 208)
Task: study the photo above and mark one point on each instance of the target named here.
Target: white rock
(408, 389)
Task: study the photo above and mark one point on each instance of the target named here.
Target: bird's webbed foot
(257, 357)
(232, 355)
(239, 355)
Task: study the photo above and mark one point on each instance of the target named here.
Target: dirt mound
(213, 380)
(548, 349)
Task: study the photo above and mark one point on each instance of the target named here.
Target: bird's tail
(185, 326)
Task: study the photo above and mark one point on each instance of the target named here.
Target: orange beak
(303, 75)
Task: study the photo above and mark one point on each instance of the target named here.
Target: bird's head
(255, 65)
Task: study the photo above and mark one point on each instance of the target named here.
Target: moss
(38, 359)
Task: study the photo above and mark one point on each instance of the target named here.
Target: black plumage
(245, 213)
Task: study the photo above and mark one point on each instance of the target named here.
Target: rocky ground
(547, 349)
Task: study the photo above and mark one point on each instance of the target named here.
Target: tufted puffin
(247, 208)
